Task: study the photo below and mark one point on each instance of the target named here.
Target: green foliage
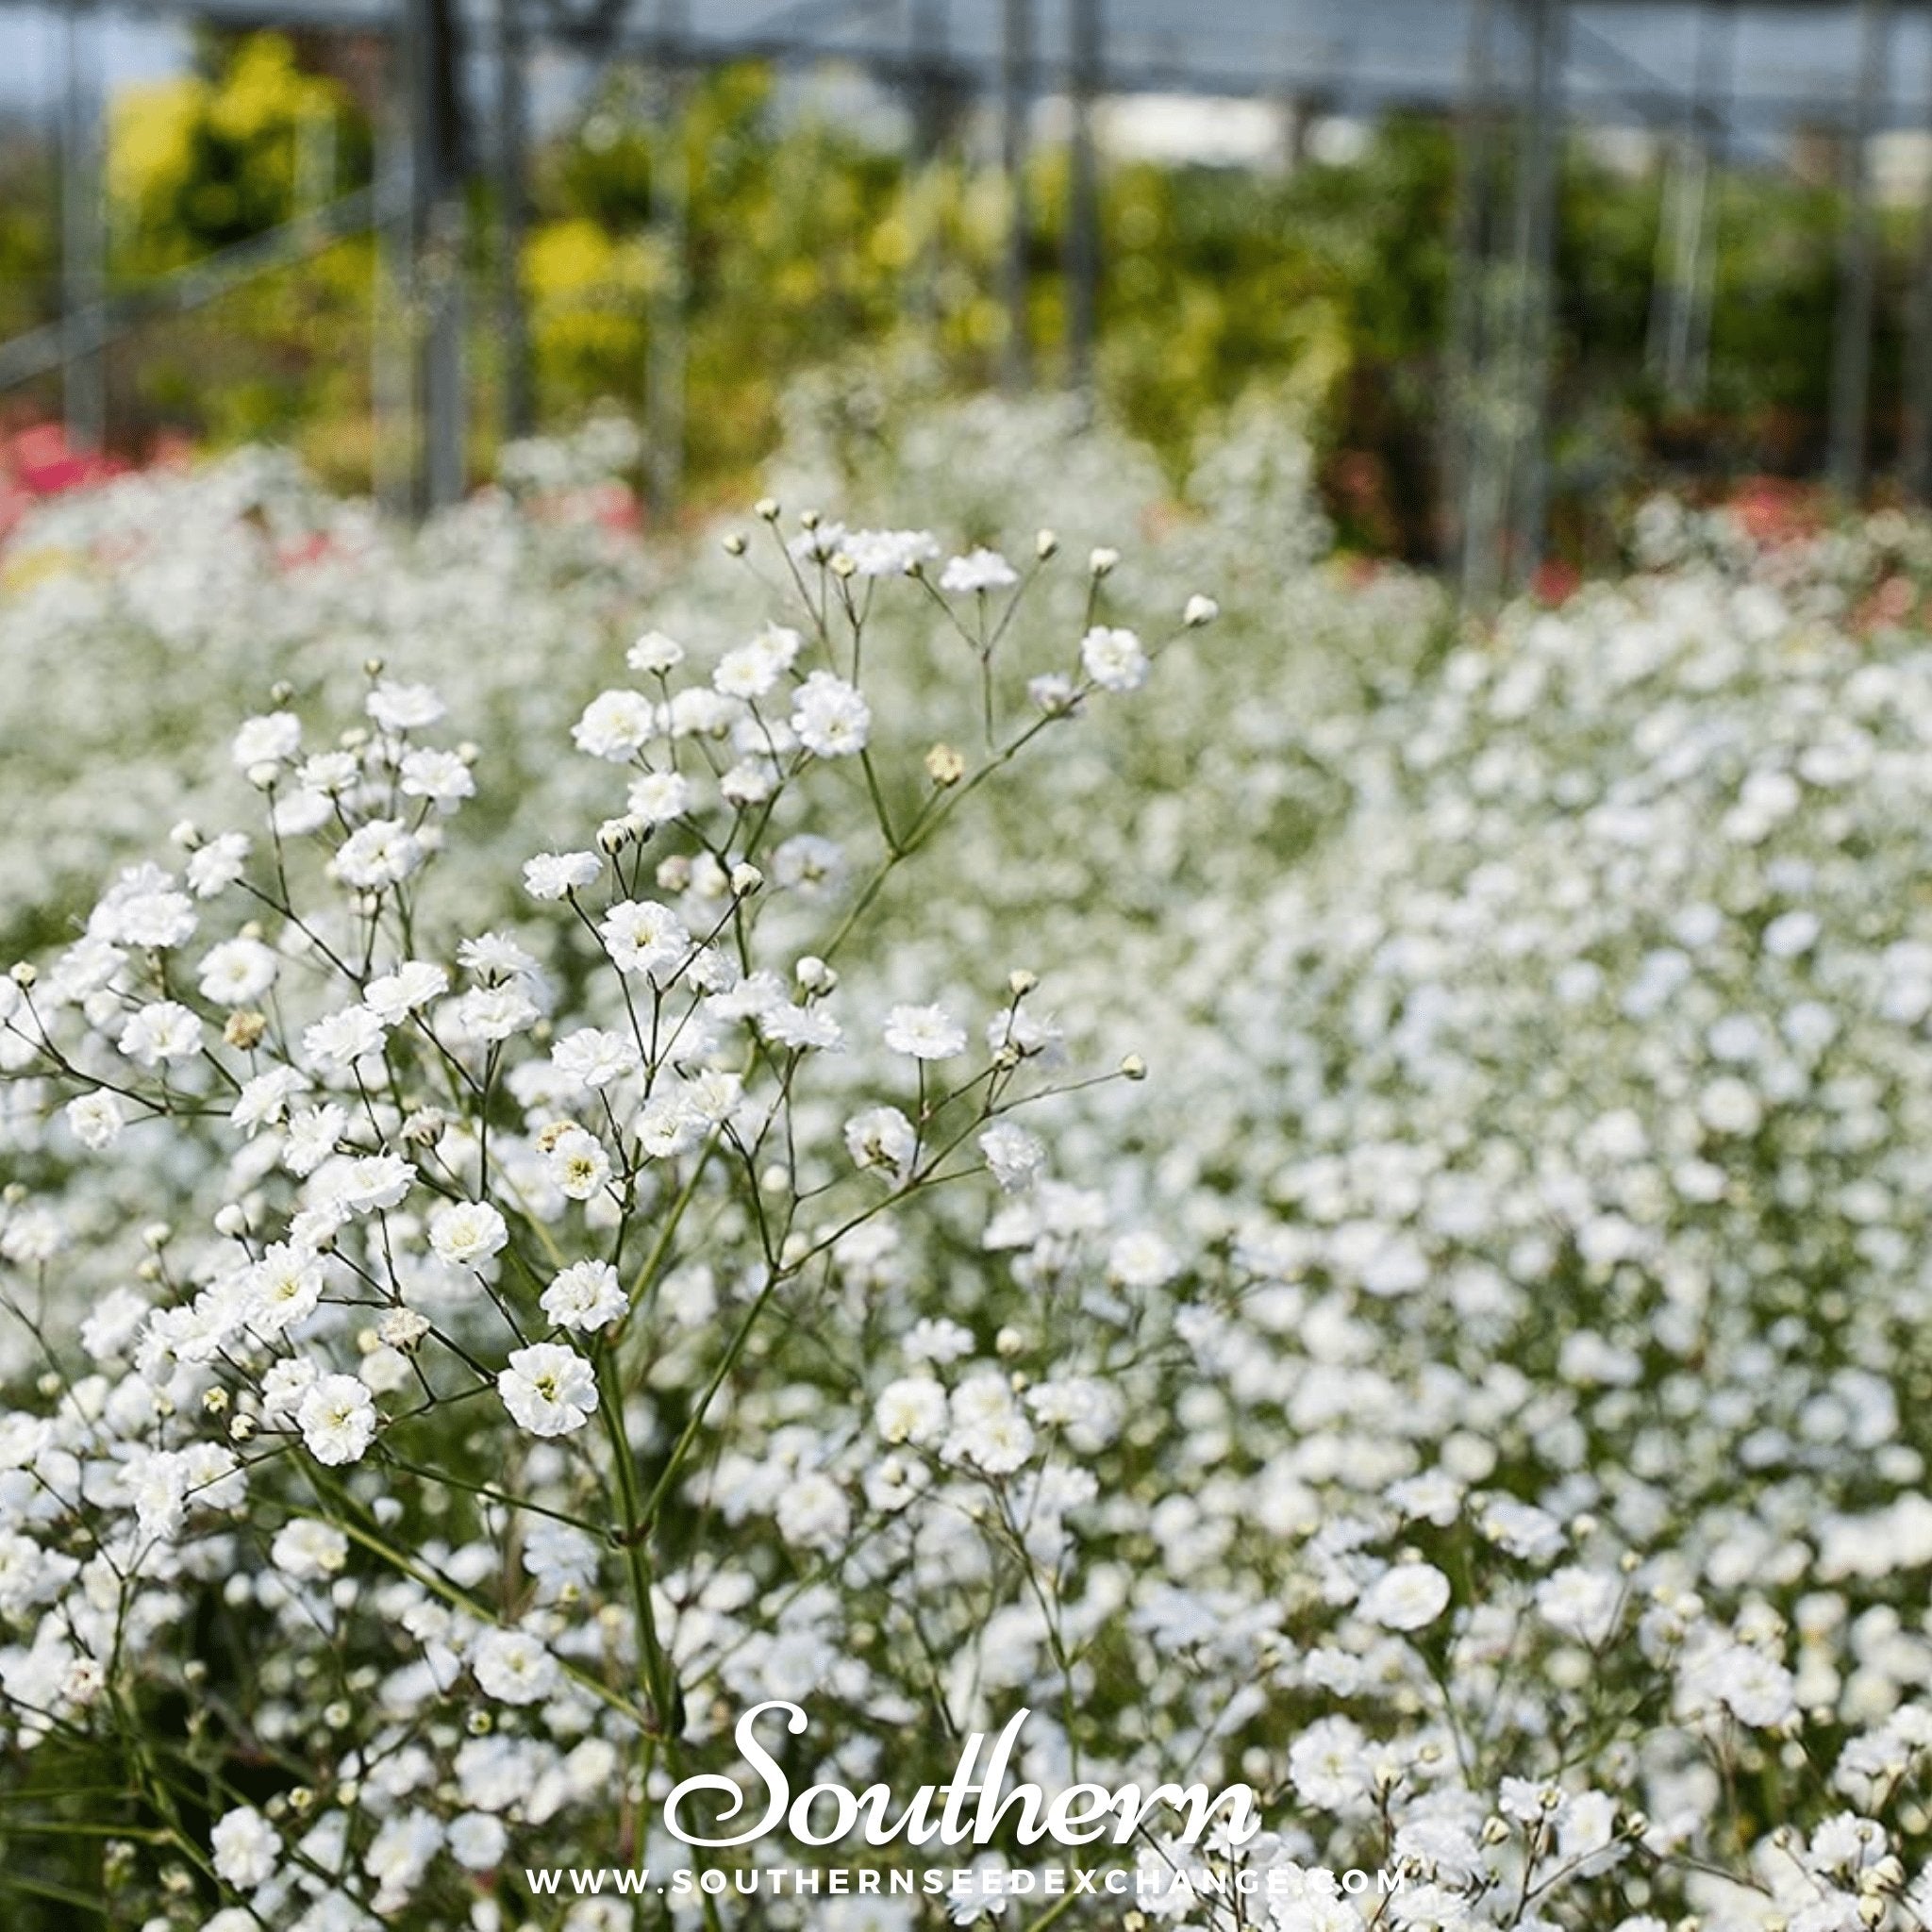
(805, 242)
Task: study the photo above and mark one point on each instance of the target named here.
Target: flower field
(996, 1088)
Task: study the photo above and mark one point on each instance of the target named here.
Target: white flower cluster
(486, 1309)
(497, 1289)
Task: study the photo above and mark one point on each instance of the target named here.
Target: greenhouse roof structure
(1774, 62)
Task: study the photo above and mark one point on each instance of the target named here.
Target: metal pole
(512, 215)
(931, 102)
(392, 333)
(439, 246)
(665, 367)
(1461, 422)
(1083, 197)
(1536, 212)
(1016, 63)
(1915, 432)
(83, 242)
(1851, 366)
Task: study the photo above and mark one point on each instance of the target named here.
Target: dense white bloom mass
(1460, 1374)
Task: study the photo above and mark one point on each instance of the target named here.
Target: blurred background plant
(1325, 278)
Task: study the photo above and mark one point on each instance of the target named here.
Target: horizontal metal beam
(41, 350)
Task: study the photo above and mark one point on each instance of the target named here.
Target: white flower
(587, 1296)
(489, 1013)
(978, 570)
(575, 1161)
(551, 875)
(309, 1550)
(752, 669)
(1014, 1156)
(269, 739)
(393, 996)
(655, 654)
(248, 1849)
(987, 1428)
(371, 1183)
(164, 1030)
(512, 1667)
(830, 716)
(548, 1389)
(616, 724)
(340, 1040)
(96, 1120)
(644, 937)
(593, 1056)
(926, 1033)
(812, 1511)
(284, 1287)
(1580, 1602)
(213, 867)
(441, 777)
(466, 1232)
(658, 797)
(881, 1137)
(263, 1100)
(1406, 1596)
(888, 553)
(1113, 659)
(237, 972)
(380, 854)
(398, 707)
(337, 1418)
(911, 1409)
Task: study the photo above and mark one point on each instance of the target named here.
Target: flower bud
(842, 566)
(1045, 545)
(767, 509)
(1020, 982)
(734, 545)
(231, 1220)
(1133, 1068)
(372, 667)
(944, 766)
(746, 880)
(244, 1029)
(1199, 611)
(1102, 559)
(814, 974)
(184, 833)
(25, 975)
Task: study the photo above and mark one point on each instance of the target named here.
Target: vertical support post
(393, 464)
(83, 242)
(667, 353)
(1461, 425)
(1083, 194)
(437, 236)
(1016, 101)
(1850, 361)
(1915, 434)
(1534, 278)
(512, 216)
(932, 107)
